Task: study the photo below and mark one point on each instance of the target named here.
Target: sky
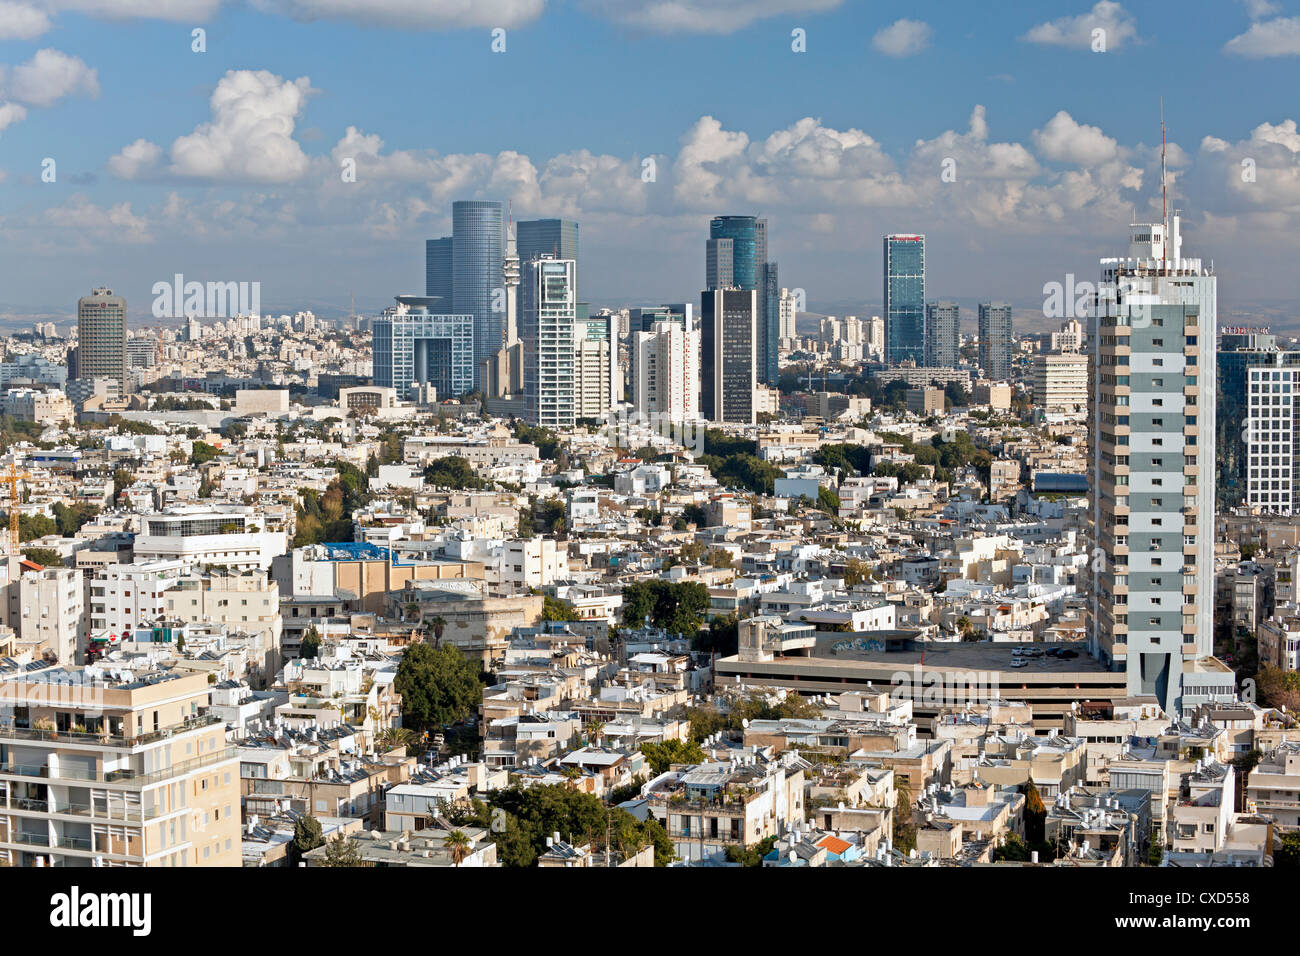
(1021, 138)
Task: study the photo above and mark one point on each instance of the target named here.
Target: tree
(458, 846)
(555, 609)
(311, 642)
(828, 500)
(201, 452)
(1279, 688)
(750, 856)
(439, 625)
(340, 851)
(1286, 849)
(47, 557)
(678, 607)
(720, 558)
(664, 754)
(1035, 814)
(307, 836)
(855, 572)
(439, 686)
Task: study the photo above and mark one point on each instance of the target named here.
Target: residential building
(942, 334)
(995, 340)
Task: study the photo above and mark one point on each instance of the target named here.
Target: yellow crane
(11, 478)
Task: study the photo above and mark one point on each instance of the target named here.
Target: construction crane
(11, 478)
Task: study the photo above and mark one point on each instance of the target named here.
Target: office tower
(728, 354)
(736, 258)
(547, 320)
(477, 270)
(942, 335)
(101, 336)
(1060, 382)
(1257, 422)
(415, 345)
(1152, 424)
(665, 365)
(995, 340)
(557, 238)
(788, 315)
(904, 299)
(438, 282)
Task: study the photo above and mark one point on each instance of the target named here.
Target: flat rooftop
(964, 655)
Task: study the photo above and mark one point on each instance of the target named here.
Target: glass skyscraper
(736, 257)
(728, 355)
(437, 273)
(904, 299)
(477, 255)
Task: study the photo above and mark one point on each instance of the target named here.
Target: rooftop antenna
(1164, 193)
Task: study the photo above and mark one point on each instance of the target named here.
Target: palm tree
(595, 729)
(458, 845)
(439, 624)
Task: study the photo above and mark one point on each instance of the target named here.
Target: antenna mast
(1164, 192)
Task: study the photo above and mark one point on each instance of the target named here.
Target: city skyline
(1040, 174)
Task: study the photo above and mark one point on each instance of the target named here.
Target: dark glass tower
(437, 273)
(736, 257)
(547, 237)
(904, 299)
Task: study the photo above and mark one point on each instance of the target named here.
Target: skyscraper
(904, 299)
(437, 273)
(942, 334)
(728, 354)
(995, 340)
(101, 336)
(736, 258)
(478, 286)
(548, 237)
(547, 320)
(1152, 425)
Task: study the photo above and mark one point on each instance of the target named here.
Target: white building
(51, 616)
(231, 537)
(666, 372)
(123, 596)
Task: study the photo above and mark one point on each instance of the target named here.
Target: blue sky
(1052, 143)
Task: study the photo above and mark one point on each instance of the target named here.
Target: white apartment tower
(1152, 360)
(548, 330)
(666, 372)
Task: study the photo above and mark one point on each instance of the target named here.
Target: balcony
(129, 777)
(105, 739)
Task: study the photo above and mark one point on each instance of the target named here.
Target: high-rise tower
(101, 336)
(904, 299)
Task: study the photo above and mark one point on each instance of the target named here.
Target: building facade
(547, 326)
(414, 345)
(1258, 384)
(995, 340)
(101, 336)
(1151, 364)
(942, 334)
(728, 355)
(904, 299)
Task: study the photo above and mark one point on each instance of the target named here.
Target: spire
(1164, 190)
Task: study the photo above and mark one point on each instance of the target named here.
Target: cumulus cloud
(1279, 37)
(248, 139)
(1077, 32)
(21, 21)
(1258, 9)
(701, 16)
(902, 38)
(47, 77)
(116, 223)
(177, 11)
(1065, 140)
(11, 113)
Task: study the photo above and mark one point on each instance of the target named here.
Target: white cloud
(116, 223)
(1118, 24)
(49, 76)
(11, 113)
(135, 160)
(1280, 37)
(701, 16)
(902, 38)
(248, 139)
(415, 14)
(1258, 9)
(21, 21)
(1065, 140)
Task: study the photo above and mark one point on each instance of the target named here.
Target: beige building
(926, 400)
(1061, 382)
(39, 406)
(127, 772)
